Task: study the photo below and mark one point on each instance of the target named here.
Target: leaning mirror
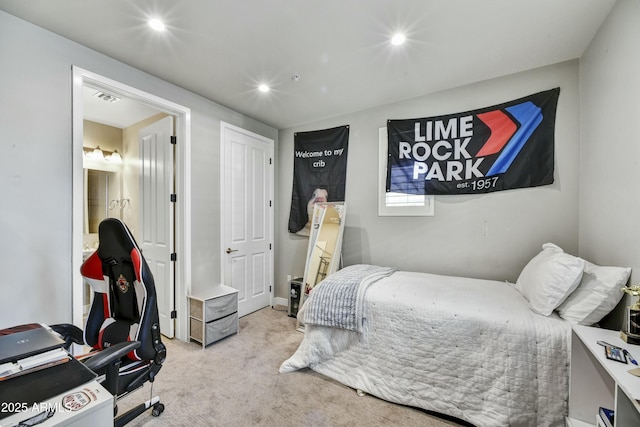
(324, 251)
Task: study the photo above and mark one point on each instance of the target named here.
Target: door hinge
(174, 257)
(269, 288)
(269, 246)
(174, 314)
(174, 198)
(269, 203)
(270, 160)
(174, 140)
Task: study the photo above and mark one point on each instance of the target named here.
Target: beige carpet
(235, 382)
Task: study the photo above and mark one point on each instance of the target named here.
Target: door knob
(229, 250)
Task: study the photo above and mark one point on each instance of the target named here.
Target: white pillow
(598, 293)
(549, 278)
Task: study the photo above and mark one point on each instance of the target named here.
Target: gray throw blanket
(338, 300)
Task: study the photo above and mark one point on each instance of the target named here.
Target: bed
(477, 350)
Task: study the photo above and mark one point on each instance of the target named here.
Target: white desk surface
(590, 336)
(88, 404)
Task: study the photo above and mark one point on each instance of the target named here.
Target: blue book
(606, 415)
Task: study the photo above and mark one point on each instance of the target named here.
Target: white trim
(427, 202)
(280, 301)
(183, 179)
(101, 165)
(223, 189)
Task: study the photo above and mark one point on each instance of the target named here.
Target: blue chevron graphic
(529, 116)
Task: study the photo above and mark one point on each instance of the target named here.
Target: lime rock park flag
(503, 147)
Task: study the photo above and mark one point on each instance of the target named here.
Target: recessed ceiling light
(263, 88)
(157, 24)
(398, 39)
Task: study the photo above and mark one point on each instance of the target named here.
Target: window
(397, 204)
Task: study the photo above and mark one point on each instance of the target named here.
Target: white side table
(213, 315)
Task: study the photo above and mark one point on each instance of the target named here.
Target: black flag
(506, 146)
(319, 173)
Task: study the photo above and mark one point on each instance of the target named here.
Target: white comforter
(468, 348)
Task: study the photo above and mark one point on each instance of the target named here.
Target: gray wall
(36, 177)
(610, 142)
(487, 236)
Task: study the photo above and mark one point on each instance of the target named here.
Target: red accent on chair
(98, 345)
(92, 267)
(135, 258)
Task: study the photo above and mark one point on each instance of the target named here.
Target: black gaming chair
(123, 324)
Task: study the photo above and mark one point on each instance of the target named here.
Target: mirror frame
(319, 215)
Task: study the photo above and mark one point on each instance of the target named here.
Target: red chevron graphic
(502, 129)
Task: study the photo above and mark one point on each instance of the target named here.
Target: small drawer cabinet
(213, 315)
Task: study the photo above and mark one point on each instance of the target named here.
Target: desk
(596, 381)
(68, 392)
(89, 404)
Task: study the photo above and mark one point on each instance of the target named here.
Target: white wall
(35, 169)
(487, 236)
(610, 142)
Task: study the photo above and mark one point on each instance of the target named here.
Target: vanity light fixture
(114, 157)
(100, 154)
(97, 153)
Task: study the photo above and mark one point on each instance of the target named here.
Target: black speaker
(295, 290)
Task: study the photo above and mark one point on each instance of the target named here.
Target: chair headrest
(115, 239)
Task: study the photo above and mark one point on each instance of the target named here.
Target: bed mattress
(467, 348)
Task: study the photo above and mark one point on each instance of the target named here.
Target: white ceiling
(222, 49)
(121, 114)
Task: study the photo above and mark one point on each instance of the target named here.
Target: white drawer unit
(213, 315)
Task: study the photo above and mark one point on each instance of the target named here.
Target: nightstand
(213, 315)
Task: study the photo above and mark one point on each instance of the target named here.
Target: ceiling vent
(106, 97)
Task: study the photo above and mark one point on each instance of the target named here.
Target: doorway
(181, 230)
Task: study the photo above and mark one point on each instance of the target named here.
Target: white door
(247, 216)
(157, 213)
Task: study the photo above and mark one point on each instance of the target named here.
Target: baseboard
(281, 301)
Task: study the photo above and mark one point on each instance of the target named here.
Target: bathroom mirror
(101, 196)
(324, 252)
(96, 198)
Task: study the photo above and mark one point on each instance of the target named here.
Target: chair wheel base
(158, 409)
